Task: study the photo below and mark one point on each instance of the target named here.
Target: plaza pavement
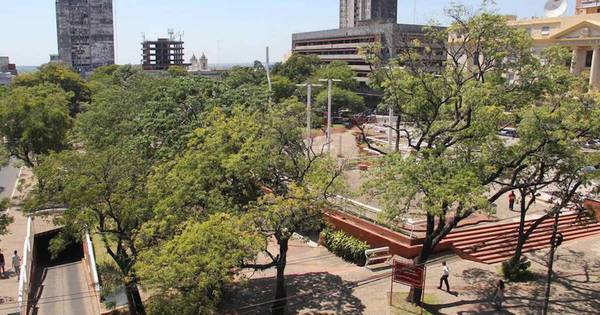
(321, 283)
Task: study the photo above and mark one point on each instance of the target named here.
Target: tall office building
(587, 6)
(367, 12)
(85, 33)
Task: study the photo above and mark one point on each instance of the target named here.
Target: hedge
(345, 246)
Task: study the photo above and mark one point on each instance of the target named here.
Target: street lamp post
(309, 87)
(329, 95)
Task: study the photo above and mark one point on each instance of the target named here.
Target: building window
(588, 58)
(545, 30)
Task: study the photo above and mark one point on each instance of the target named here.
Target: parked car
(592, 144)
(509, 132)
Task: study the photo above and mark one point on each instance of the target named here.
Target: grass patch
(100, 250)
(400, 306)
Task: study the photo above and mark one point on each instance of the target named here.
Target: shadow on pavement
(318, 292)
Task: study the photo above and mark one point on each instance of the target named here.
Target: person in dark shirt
(2, 263)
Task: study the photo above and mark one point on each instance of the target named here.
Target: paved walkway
(320, 283)
(65, 290)
(14, 240)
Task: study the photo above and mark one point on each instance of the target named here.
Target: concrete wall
(378, 236)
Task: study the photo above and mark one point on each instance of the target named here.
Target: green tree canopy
(298, 68)
(195, 265)
(341, 99)
(456, 163)
(337, 70)
(34, 121)
(64, 78)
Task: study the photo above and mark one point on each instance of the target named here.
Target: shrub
(345, 246)
(518, 272)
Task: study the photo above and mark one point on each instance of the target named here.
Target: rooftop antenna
(171, 33)
(555, 8)
(180, 35)
(415, 12)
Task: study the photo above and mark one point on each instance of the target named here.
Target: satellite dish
(555, 8)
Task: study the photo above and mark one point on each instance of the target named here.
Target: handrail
(92, 262)
(25, 268)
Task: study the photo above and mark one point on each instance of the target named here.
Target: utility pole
(329, 95)
(309, 87)
(555, 241)
(390, 117)
(268, 70)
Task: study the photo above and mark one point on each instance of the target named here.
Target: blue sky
(228, 31)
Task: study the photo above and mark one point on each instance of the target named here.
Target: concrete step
(533, 239)
(498, 229)
(499, 256)
(512, 238)
(473, 239)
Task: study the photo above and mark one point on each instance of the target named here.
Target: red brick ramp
(495, 243)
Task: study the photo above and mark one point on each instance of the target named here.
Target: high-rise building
(367, 12)
(587, 6)
(162, 53)
(85, 33)
(7, 71)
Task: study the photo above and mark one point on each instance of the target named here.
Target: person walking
(499, 295)
(444, 278)
(2, 263)
(511, 200)
(16, 262)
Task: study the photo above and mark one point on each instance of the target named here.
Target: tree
(337, 70)
(105, 193)
(564, 118)
(5, 219)
(341, 99)
(154, 113)
(283, 88)
(298, 68)
(239, 76)
(64, 78)
(177, 71)
(34, 121)
(196, 264)
(455, 156)
(252, 163)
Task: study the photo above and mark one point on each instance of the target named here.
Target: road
(8, 180)
(66, 291)
(61, 285)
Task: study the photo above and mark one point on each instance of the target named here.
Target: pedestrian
(16, 262)
(444, 278)
(511, 201)
(499, 295)
(2, 263)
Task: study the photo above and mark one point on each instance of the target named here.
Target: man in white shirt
(16, 262)
(444, 278)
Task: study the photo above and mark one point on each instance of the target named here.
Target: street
(8, 180)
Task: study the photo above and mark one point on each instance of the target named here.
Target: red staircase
(495, 243)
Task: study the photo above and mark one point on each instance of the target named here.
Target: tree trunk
(134, 300)
(278, 307)
(414, 295)
(514, 262)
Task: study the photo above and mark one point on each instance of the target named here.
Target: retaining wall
(378, 236)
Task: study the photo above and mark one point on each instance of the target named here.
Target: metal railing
(92, 263)
(25, 269)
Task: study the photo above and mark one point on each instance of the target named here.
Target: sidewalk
(14, 241)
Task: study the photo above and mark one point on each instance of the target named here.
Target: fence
(91, 262)
(26, 269)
